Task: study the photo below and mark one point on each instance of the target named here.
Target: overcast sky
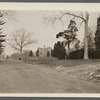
(45, 34)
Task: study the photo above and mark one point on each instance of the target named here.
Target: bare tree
(21, 39)
(83, 16)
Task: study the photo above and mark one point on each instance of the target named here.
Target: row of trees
(21, 38)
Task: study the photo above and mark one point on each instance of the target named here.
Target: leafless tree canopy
(20, 39)
(59, 16)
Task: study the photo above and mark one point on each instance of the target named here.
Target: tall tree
(90, 38)
(83, 16)
(48, 54)
(21, 39)
(31, 53)
(59, 50)
(4, 16)
(37, 53)
(1, 36)
(97, 35)
(69, 35)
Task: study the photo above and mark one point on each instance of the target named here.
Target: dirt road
(20, 77)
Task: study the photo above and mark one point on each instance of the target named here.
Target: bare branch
(60, 17)
(13, 46)
(15, 39)
(67, 13)
(29, 42)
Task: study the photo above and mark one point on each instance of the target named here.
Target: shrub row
(79, 54)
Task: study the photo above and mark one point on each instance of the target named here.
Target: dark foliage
(37, 53)
(59, 34)
(7, 57)
(31, 53)
(96, 54)
(59, 50)
(97, 34)
(79, 54)
(1, 36)
(20, 58)
(48, 54)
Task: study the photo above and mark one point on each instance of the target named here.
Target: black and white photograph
(50, 48)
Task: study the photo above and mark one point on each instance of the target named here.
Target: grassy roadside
(65, 63)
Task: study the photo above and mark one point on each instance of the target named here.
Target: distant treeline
(93, 54)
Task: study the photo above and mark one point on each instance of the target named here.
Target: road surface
(21, 77)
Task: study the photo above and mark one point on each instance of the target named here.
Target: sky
(44, 33)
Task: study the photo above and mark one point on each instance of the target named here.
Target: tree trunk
(86, 37)
(21, 53)
(65, 55)
(0, 56)
(68, 52)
